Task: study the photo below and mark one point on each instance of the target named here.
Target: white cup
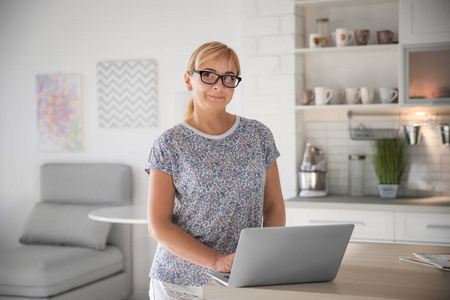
(388, 95)
(344, 37)
(352, 95)
(317, 41)
(367, 95)
(333, 38)
(322, 95)
(338, 96)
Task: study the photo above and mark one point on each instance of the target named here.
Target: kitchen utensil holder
(363, 133)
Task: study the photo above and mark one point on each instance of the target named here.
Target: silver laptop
(285, 255)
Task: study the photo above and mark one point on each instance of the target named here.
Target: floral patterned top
(219, 181)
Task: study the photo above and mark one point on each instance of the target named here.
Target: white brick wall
(269, 74)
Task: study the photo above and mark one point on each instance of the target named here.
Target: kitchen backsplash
(427, 172)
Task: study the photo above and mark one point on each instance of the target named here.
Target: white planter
(388, 191)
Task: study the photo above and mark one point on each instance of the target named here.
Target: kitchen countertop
(368, 271)
(406, 204)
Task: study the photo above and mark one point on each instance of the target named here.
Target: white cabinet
(394, 221)
(372, 65)
(369, 225)
(422, 227)
(424, 21)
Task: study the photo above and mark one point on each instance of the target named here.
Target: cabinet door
(424, 21)
(428, 228)
(369, 225)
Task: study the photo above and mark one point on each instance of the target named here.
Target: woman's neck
(213, 124)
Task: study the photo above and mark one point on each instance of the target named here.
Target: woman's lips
(216, 97)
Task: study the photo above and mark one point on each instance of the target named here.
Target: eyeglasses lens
(227, 80)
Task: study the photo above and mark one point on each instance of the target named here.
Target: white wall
(51, 36)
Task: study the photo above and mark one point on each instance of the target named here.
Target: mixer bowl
(313, 181)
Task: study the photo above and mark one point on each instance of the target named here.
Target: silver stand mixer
(312, 175)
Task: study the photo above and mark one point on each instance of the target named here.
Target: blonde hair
(205, 52)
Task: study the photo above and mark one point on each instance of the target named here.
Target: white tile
(337, 166)
(288, 24)
(279, 7)
(262, 65)
(342, 151)
(278, 85)
(287, 64)
(249, 8)
(250, 46)
(336, 157)
(339, 190)
(281, 44)
(249, 86)
(261, 26)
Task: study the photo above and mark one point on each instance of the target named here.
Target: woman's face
(211, 97)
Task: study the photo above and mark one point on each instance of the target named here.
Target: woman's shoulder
(171, 134)
(254, 125)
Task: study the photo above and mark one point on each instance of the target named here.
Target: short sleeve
(160, 156)
(270, 147)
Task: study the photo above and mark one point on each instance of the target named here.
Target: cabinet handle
(339, 222)
(438, 226)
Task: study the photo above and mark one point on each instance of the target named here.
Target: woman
(209, 177)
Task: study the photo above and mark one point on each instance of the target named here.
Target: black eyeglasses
(208, 77)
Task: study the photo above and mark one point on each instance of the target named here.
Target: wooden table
(368, 271)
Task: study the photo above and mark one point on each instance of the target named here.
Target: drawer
(422, 228)
(369, 225)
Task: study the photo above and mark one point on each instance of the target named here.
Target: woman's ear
(187, 80)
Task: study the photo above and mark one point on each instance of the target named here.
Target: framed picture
(59, 120)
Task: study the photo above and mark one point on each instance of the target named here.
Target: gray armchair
(64, 255)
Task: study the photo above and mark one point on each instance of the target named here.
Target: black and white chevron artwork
(127, 94)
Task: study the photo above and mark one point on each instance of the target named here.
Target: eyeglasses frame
(239, 79)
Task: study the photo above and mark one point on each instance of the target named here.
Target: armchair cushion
(39, 271)
(66, 225)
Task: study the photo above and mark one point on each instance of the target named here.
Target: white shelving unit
(372, 65)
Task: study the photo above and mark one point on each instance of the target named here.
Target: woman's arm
(160, 204)
(274, 213)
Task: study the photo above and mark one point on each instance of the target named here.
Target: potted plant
(389, 160)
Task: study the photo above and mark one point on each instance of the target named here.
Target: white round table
(121, 214)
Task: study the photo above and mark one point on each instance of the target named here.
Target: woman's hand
(224, 263)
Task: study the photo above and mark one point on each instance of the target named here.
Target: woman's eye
(229, 79)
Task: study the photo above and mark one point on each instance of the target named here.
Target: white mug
(316, 41)
(322, 95)
(367, 94)
(344, 37)
(352, 95)
(338, 95)
(388, 95)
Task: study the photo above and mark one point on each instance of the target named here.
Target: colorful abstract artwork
(59, 112)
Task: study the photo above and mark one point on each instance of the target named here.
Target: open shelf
(347, 106)
(328, 3)
(388, 47)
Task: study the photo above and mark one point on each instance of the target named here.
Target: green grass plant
(389, 160)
